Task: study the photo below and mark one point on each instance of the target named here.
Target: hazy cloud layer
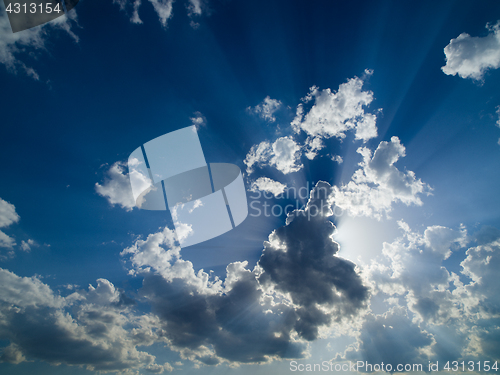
(378, 183)
(471, 57)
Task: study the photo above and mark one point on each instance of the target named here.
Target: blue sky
(390, 109)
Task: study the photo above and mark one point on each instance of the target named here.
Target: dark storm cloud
(234, 323)
(84, 329)
(300, 259)
(298, 286)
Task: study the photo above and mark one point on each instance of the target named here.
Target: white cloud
(266, 109)
(378, 183)
(135, 14)
(284, 154)
(331, 114)
(6, 241)
(334, 113)
(116, 187)
(8, 216)
(195, 8)
(338, 159)
(198, 120)
(164, 10)
(269, 185)
(471, 57)
(27, 245)
(14, 44)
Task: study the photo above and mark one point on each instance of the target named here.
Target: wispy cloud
(12, 45)
(266, 109)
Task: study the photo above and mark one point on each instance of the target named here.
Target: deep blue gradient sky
(122, 84)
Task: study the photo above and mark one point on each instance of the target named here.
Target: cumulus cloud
(471, 57)
(378, 183)
(14, 44)
(284, 155)
(266, 109)
(334, 113)
(116, 187)
(269, 185)
(94, 328)
(254, 315)
(322, 114)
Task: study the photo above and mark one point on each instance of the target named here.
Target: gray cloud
(391, 338)
(86, 328)
(432, 314)
(300, 260)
